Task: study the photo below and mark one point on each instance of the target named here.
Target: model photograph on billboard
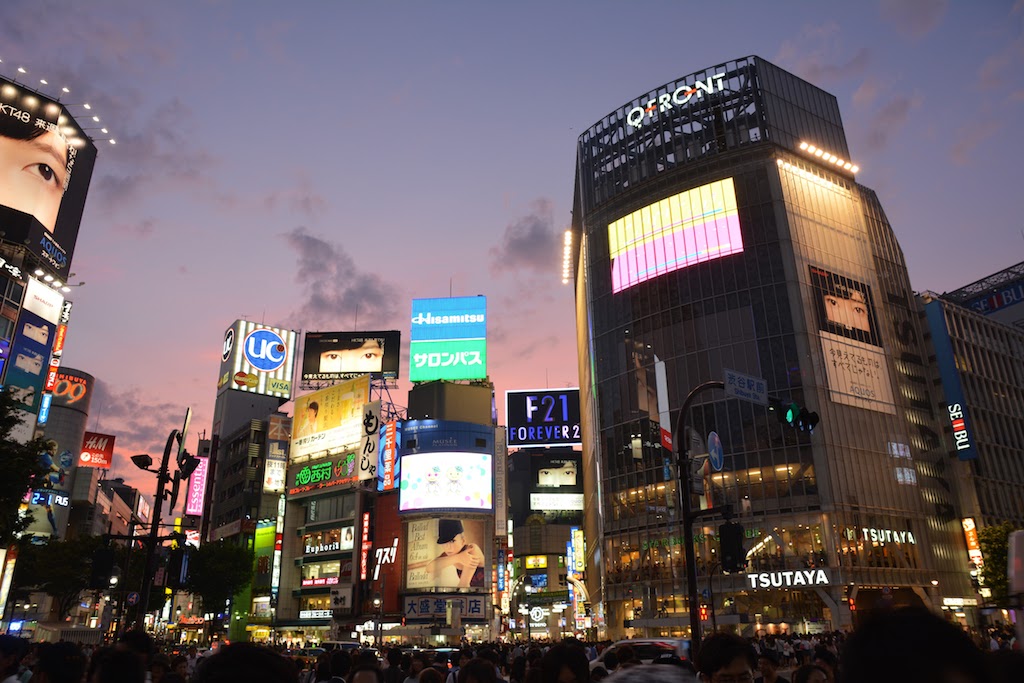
(343, 355)
(682, 230)
(556, 482)
(46, 164)
(330, 418)
(446, 481)
(447, 553)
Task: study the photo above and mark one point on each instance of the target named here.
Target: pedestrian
(768, 663)
(478, 671)
(59, 663)
(341, 662)
(565, 664)
(394, 673)
(810, 673)
(12, 651)
(245, 662)
(465, 655)
(724, 656)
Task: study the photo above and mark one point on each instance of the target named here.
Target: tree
(217, 571)
(994, 542)
(20, 467)
(61, 569)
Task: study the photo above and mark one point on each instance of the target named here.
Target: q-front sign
(798, 578)
(637, 116)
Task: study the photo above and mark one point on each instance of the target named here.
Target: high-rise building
(718, 226)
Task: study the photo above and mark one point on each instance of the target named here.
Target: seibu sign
(798, 578)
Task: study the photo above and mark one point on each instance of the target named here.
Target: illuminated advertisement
(543, 417)
(47, 165)
(322, 474)
(960, 423)
(330, 419)
(275, 469)
(97, 451)
(329, 541)
(263, 553)
(855, 363)
(446, 481)
(29, 360)
(388, 470)
(691, 227)
(448, 339)
(197, 488)
(433, 607)
(973, 545)
(257, 358)
(445, 435)
(556, 482)
(445, 554)
(370, 441)
(329, 356)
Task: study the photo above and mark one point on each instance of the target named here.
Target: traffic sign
(132, 599)
(715, 453)
(706, 593)
(747, 387)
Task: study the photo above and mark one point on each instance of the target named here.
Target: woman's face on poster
(850, 312)
(367, 358)
(32, 175)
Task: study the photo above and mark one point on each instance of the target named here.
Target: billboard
(855, 362)
(445, 554)
(311, 477)
(330, 419)
(960, 421)
(264, 541)
(257, 358)
(388, 470)
(275, 466)
(447, 481)
(446, 435)
(97, 451)
(370, 441)
(448, 339)
(197, 488)
(685, 229)
(47, 163)
(329, 356)
(543, 417)
(556, 482)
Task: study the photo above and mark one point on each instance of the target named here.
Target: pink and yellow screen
(679, 231)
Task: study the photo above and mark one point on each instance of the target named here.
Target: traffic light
(730, 540)
(177, 567)
(795, 415)
(102, 568)
(703, 612)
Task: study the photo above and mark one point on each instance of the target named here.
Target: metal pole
(683, 495)
(162, 478)
(711, 596)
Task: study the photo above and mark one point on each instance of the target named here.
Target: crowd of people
(904, 645)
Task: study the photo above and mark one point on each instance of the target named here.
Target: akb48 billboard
(257, 358)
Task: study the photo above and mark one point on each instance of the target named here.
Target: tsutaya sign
(789, 579)
(887, 536)
(681, 96)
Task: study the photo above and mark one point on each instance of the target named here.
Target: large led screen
(47, 163)
(329, 419)
(679, 231)
(329, 356)
(257, 358)
(448, 339)
(447, 481)
(543, 417)
(447, 553)
(557, 482)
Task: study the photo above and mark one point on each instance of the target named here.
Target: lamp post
(378, 604)
(162, 477)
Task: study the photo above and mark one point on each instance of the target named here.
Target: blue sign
(44, 408)
(715, 453)
(424, 436)
(265, 350)
(956, 402)
(132, 599)
(453, 318)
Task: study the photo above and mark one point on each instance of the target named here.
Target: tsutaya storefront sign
(637, 116)
(798, 578)
(887, 536)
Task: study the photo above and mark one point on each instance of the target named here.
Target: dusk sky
(316, 165)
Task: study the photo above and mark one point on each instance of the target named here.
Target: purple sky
(294, 162)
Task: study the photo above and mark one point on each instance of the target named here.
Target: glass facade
(817, 303)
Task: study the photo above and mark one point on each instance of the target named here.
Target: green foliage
(218, 571)
(61, 569)
(19, 468)
(994, 541)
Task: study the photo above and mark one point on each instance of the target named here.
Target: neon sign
(682, 95)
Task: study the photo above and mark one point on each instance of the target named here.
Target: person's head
(726, 658)
(653, 673)
(12, 650)
(441, 658)
(160, 667)
(417, 665)
(768, 663)
(58, 663)
(429, 675)
(911, 644)
(565, 664)
(824, 658)
(245, 662)
(139, 643)
(394, 657)
(341, 662)
(33, 169)
(598, 673)
(312, 410)
(354, 356)
(365, 673)
(810, 673)
(478, 670)
(465, 654)
(611, 659)
(450, 535)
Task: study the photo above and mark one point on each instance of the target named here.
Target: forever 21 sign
(543, 417)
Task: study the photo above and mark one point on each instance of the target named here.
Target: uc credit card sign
(448, 339)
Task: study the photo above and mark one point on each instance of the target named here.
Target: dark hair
(138, 642)
(394, 656)
(772, 656)
(478, 670)
(314, 406)
(341, 662)
(826, 657)
(911, 644)
(562, 655)
(719, 650)
(803, 674)
(598, 673)
(375, 670)
(430, 675)
(246, 662)
(625, 653)
(116, 666)
(61, 662)
(12, 645)
(611, 659)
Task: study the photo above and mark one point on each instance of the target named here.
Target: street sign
(747, 387)
(132, 599)
(715, 453)
(706, 593)
(697, 475)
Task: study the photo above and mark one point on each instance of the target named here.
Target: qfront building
(718, 226)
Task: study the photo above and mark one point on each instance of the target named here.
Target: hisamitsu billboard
(543, 417)
(448, 339)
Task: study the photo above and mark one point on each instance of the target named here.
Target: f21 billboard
(543, 417)
(448, 339)
(257, 358)
(343, 355)
(47, 163)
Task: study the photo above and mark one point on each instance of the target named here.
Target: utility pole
(162, 478)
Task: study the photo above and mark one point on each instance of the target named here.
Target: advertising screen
(543, 417)
(330, 419)
(97, 451)
(197, 488)
(446, 435)
(691, 227)
(257, 358)
(448, 339)
(447, 554)
(47, 165)
(329, 356)
(29, 360)
(447, 481)
(855, 363)
(556, 482)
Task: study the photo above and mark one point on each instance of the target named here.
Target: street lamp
(378, 604)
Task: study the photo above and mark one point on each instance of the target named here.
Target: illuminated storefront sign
(330, 419)
(364, 551)
(887, 536)
(789, 579)
(387, 462)
(949, 373)
(579, 549)
(430, 606)
(384, 556)
(536, 562)
(637, 116)
(973, 545)
(958, 418)
(97, 450)
(556, 501)
(258, 358)
(325, 581)
(323, 475)
(315, 614)
(329, 541)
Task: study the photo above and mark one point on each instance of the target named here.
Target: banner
(97, 450)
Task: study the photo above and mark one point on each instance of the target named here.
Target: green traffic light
(792, 411)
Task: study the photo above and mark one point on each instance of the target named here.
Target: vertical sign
(197, 488)
(364, 552)
(500, 485)
(579, 551)
(973, 546)
(387, 462)
(370, 441)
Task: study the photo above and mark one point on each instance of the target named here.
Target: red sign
(327, 581)
(364, 552)
(97, 451)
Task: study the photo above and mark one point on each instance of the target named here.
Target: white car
(646, 649)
